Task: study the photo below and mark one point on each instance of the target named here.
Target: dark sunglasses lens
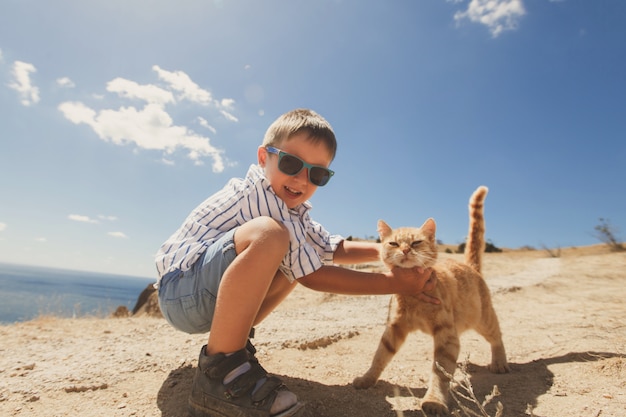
(289, 164)
(319, 176)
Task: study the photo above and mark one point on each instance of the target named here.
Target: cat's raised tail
(475, 245)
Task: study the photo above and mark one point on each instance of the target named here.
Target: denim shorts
(187, 298)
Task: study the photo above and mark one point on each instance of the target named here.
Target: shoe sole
(293, 411)
(196, 411)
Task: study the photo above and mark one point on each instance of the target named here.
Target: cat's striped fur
(465, 303)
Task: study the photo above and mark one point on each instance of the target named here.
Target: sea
(27, 292)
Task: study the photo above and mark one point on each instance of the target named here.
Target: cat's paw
(499, 367)
(434, 403)
(434, 408)
(363, 382)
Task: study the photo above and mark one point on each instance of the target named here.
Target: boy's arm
(339, 280)
(349, 252)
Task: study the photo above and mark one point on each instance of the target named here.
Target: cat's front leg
(393, 337)
(447, 347)
(499, 364)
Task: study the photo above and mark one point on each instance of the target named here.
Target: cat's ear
(429, 227)
(383, 229)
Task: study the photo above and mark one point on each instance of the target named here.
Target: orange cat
(465, 303)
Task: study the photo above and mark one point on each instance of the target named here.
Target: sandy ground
(563, 319)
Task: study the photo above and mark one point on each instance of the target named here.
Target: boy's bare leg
(280, 288)
(261, 245)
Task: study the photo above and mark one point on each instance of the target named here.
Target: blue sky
(118, 117)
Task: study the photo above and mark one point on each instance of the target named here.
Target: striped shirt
(240, 201)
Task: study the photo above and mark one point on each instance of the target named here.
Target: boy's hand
(430, 285)
(417, 280)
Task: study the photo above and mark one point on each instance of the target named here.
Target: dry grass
(468, 404)
(462, 393)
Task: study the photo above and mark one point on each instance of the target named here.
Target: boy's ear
(261, 155)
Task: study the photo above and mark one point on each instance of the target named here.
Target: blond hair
(297, 121)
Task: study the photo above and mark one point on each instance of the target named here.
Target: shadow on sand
(519, 389)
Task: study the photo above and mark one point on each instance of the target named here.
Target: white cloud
(109, 218)
(1, 57)
(227, 103)
(41, 239)
(3, 226)
(132, 90)
(81, 218)
(204, 123)
(76, 112)
(497, 15)
(65, 82)
(151, 127)
(228, 116)
(29, 94)
(148, 128)
(120, 235)
(181, 82)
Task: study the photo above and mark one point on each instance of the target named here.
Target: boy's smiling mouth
(293, 192)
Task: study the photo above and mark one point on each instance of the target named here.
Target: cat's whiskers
(427, 259)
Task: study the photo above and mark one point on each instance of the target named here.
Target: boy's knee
(268, 232)
(273, 234)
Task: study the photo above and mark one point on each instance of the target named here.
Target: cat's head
(408, 247)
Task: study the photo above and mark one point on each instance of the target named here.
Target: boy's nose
(303, 175)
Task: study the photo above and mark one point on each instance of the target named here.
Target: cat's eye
(416, 243)
(393, 244)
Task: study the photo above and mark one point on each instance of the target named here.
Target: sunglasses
(291, 165)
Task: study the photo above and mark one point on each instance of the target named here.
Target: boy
(240, 253)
